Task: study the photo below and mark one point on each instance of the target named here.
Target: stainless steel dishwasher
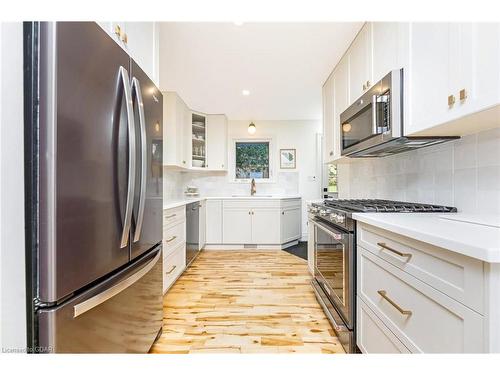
(192, 231)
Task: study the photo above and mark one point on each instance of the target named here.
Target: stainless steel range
(335, 256)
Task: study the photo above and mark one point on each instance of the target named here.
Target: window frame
(232, 163)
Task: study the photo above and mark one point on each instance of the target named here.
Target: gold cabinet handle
(368, 84)
(331, 153)
(463, 94)
(383, 245)
(383, 293)
(171, 270)
(118, 30)
(451, 100)
(171, 239)
(170, 216)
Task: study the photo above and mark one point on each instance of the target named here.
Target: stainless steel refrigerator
(97, 261)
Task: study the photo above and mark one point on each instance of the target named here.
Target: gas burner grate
(380, 205)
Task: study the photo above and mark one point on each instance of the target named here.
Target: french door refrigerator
(97, 262)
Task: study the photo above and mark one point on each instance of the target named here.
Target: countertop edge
(485, 254)
(183, 201)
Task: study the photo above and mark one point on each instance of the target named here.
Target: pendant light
(252, 128)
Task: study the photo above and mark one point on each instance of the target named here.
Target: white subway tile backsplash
(463, 173)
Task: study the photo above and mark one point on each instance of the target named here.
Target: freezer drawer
(122, 314)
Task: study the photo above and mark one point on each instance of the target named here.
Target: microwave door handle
(136, 87)
(374, 115)
(131, 156)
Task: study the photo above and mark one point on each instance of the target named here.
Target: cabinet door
(237, 226)
(360, 63)
(141, 44)
(173, 129)
(203, 227)
(475, 58)
(290, 224)
(217, 142)
(340, 102)
(214, 221)
(328, 112)
(265, 226)
(187, 139)
(390, 47)
(429, 76)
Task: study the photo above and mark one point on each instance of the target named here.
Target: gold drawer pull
(171, 239)
(451, 100)
(383, 245)
(383, 293)
(463, 94)
(170, 216)
(171, 270)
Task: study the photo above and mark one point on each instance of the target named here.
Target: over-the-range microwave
(373, 125)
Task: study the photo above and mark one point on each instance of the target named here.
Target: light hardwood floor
(245, 302)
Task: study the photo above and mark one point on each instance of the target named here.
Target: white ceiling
(283, 65)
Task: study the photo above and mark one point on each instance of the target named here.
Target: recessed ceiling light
(238, 23)
(245, 92)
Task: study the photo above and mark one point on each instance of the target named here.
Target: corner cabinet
(140, 40)
(217, 142)
(193, 140)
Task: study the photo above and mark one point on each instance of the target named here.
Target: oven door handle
(330, 232)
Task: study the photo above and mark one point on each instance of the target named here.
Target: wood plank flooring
(245, 302)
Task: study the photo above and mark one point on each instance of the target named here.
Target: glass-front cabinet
(198, 140)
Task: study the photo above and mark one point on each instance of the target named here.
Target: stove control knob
(333, 217)
(340, 219)
(322, 212)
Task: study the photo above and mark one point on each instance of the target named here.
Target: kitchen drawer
(422, 318)
(173, 265)
(174, 215)
(457, 276)
(251, 203)
(372, 335)
(173, 236)
(291, 203)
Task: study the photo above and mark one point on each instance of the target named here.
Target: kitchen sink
(252, 196)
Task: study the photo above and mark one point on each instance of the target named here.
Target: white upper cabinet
(454, 74)
(217, 142)
(390, 47)
(340, 102)
(429, 78)
(140, 40)
(360, 63)
(174, 124)
(328, 117)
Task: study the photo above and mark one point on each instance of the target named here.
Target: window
(332, 179)
(252, 160)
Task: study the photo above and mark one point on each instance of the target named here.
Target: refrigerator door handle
(102, 297)
(136, 87)
(131, 156)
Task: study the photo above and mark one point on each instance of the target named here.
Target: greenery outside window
(332, 178)
(252, 160)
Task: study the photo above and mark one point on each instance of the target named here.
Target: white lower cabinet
(420, 317)
(373, 336)
(214, 221)
(174, 245)
(265, 226)
(259, 221)
(173, 266)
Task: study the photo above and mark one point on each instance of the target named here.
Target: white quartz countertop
(167, 204)
(478, 241)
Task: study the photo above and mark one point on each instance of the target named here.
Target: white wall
(304, 180)
(463, 173)
(12, 271)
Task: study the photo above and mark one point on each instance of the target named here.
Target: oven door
(334, 268)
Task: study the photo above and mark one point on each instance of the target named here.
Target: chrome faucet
(253, 188)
